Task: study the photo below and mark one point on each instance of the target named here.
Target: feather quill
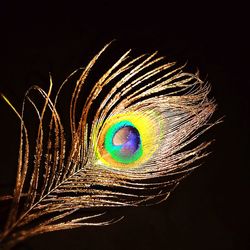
(68, 171)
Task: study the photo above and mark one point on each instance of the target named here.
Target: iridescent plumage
(142, 130)
(131, 150)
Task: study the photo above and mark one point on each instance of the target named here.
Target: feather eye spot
(123, 143)
(128, 140)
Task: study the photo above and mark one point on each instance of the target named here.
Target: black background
(210, 209)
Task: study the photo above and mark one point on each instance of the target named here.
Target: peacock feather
(130, 140)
